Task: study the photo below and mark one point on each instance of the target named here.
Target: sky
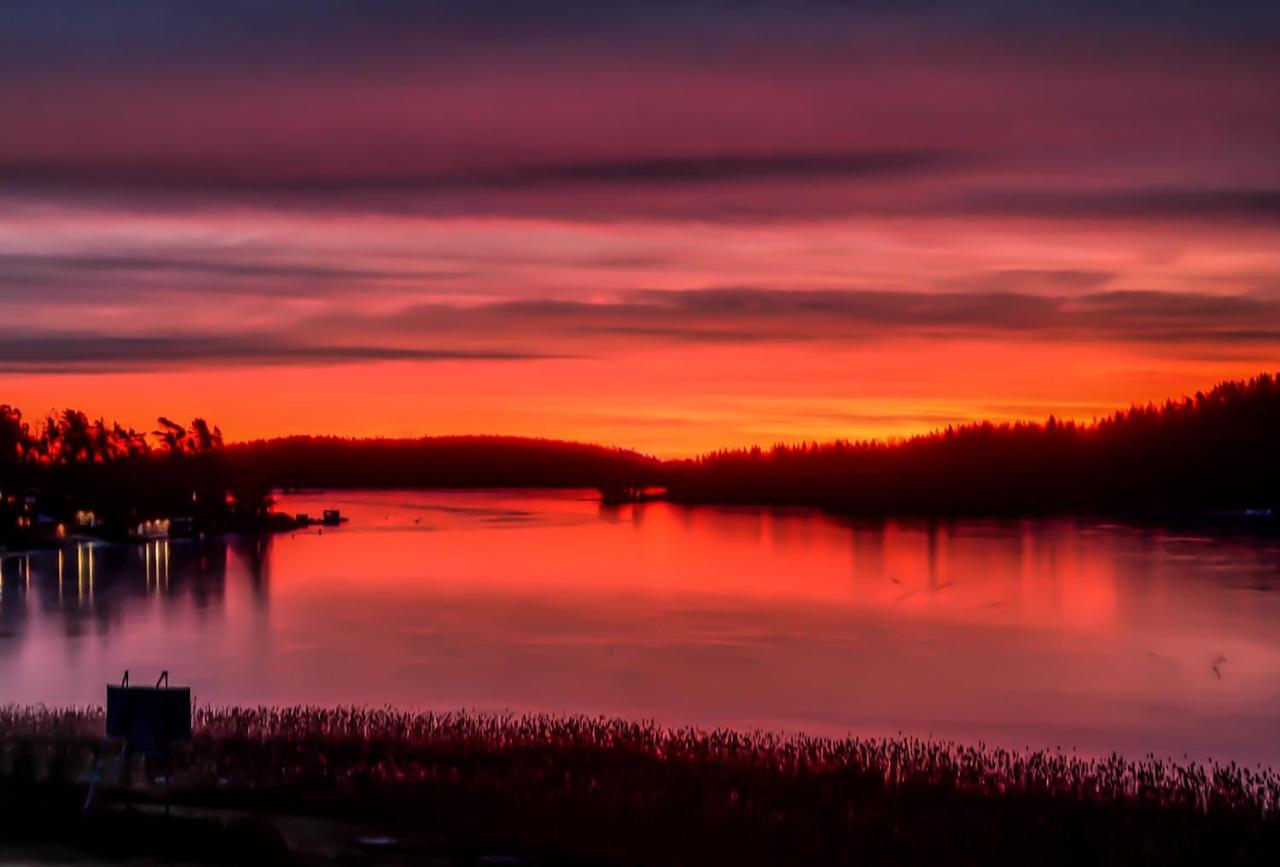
(668, 226)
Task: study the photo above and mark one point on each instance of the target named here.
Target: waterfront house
(156, 528)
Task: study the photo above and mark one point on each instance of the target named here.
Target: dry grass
(630, 792)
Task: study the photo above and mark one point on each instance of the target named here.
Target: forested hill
(1217, 450)
(439, 462)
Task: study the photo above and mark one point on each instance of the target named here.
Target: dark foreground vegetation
(1216, 450)
(614, 792)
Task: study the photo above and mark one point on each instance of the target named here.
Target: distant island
(68, 475)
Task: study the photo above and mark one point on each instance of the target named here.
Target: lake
(1081, 634)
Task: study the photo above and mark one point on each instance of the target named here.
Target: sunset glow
(664, 433)
(675, 228)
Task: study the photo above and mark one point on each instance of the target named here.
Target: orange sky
(670, 402)
(675, 228)
(669, 338)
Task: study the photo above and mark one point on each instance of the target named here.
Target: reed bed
(620, 791)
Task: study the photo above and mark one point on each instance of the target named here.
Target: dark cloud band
(750, 315)
(61, 353)
(561, 329)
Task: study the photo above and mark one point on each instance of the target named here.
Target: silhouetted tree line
(67, 464)
(441, 462)
(71, 437)
(1216, 450)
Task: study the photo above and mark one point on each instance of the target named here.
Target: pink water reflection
(1040, 633)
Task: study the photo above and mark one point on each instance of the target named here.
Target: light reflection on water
(1081, 634)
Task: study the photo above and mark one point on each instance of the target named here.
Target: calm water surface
(1036, 633)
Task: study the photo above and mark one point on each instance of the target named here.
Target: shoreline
(1262, 522)
(278, 522)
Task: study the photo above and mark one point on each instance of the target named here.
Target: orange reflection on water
(1022, 632)
(571, 545)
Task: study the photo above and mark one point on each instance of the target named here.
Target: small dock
(328, 518)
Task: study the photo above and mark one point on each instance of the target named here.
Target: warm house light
(153, 529)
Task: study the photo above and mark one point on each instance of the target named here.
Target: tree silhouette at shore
(67, 465)
(70, 437)
(1216, 449)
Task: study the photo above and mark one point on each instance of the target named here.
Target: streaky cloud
(1154, 202)
(80, 353)
(271, 177)
(746, 315)
(79, 276)
(725, 189)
